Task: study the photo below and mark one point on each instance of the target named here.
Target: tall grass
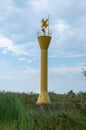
(20, 112)
(9, 107)
(10, 111)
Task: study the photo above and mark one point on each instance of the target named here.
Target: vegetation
(19, 111)
(84, 72)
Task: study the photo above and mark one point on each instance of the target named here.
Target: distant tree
(84, 72)
(71, 93)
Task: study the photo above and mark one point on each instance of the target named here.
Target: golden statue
(44, 25)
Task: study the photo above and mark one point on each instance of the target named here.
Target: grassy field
(18, 111)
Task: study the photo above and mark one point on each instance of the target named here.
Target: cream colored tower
(44, 41)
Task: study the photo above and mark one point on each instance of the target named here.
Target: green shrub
(10, 107)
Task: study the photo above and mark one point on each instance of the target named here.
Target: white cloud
(7, 7)
(49, 6)
(67, 39)
(39, 6)
(68, 34)
(25, 60)
(22, 81)
(61, 26)
(22, 74)
(8, 46)
(62, 71)
(61, 79)
(33, 72)
(65, 70)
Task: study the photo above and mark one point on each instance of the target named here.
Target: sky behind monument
(20, 53)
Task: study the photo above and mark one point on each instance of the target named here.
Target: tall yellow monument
(44, 39)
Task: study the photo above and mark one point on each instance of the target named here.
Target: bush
(10, 107)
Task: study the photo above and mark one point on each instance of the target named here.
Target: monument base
(43, 98)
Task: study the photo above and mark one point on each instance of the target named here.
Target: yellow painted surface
(43, 98)
(44, 42)
(44, 64)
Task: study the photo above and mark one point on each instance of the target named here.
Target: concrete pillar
(44, 42)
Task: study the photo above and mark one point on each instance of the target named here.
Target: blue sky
(20, 53)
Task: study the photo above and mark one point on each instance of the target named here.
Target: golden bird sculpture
(44, 23)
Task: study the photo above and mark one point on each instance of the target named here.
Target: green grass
(18, 111)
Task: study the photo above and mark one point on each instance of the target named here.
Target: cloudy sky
(20, 53)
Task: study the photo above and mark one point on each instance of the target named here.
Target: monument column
(44, 41)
